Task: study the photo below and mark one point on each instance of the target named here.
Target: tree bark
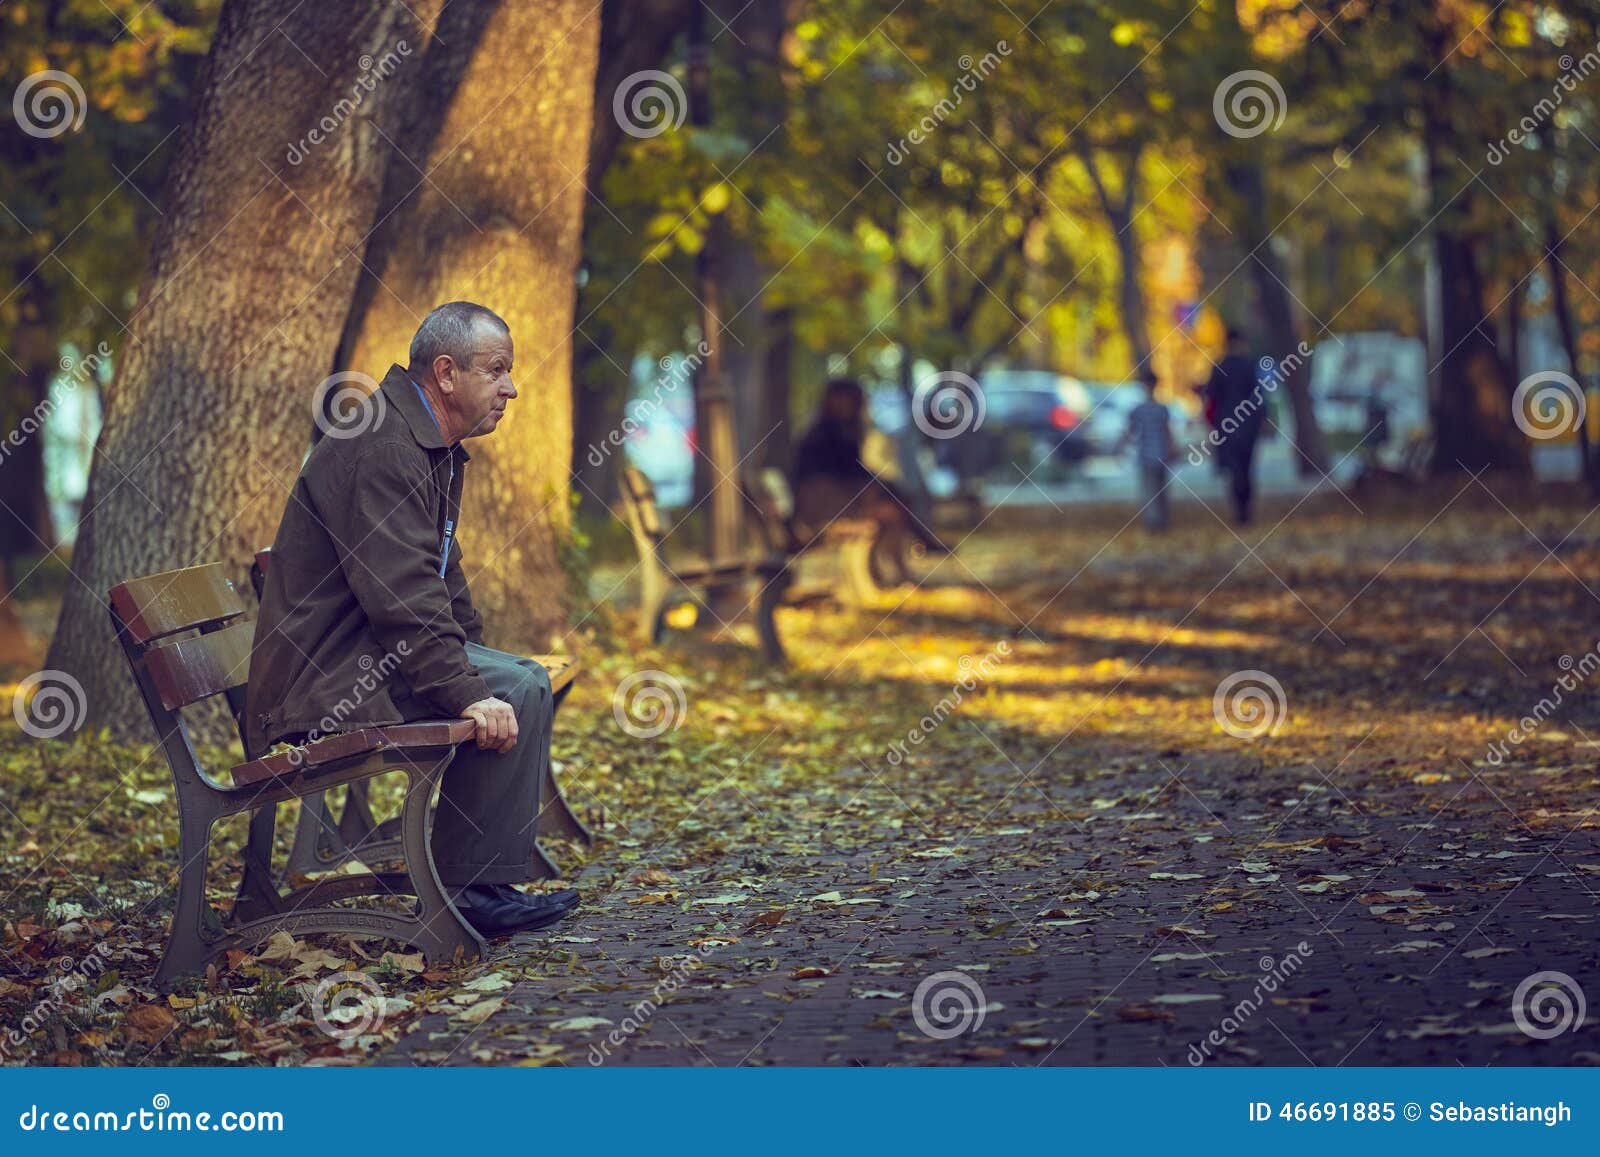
(483, 201)
(238, 318)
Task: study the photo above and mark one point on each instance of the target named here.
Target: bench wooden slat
(176, 600)
(423, 733)
(563, 669)
(700, 572)
(188, 670)
(640, 496)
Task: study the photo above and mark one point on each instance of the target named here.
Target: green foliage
(80, 205)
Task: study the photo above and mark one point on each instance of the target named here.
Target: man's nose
(510, 391)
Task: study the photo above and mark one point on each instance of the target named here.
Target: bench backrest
(640, 511)
(186, 639)
(768, 494)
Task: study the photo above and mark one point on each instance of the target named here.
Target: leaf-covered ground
(999, 819)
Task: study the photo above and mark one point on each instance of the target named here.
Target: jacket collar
(401, 394)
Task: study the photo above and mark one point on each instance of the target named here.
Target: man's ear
(444, 373)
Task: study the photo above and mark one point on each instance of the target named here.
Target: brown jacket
(357, 626)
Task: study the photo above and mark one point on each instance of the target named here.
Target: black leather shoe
(491, 913)
(566, 897)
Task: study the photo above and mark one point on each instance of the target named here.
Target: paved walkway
(1082, 867)
(1417, 926)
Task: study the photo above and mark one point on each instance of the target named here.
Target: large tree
(257, 257)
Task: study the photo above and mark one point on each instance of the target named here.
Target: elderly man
(366, 610)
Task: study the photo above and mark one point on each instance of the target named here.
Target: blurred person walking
(1150, 433)
(1240, 413)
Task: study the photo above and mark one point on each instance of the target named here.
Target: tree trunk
(757, 27)
(717, 476)
(778, 449)
(1472, 408)
(599, 395)
(501, 132)
(248, 280)
(1277, 311)
(1562, 306)
(25, 523)
(1119, 216)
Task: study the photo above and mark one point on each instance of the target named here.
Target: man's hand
(497, 723)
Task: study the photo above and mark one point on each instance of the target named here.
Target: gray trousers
(484, 830)
(1153, 477)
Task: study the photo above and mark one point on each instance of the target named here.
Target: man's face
(479, 391)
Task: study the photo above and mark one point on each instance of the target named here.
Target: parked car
(1034, 419)
(1107, 421)
(660, 431)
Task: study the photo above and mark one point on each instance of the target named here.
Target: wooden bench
(186, 640)
(322, 845)
(666, 584)
(861, 565)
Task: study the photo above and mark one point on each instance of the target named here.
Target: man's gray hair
(448, 330)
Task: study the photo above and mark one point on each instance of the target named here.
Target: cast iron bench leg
(435, 928)
(855, 557)
(767, 603)
(317, 847)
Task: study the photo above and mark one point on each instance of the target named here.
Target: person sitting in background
(831, 481)
(1150, 432)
